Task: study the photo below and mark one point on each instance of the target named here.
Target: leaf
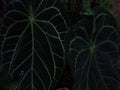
(31, 47)
(93, 53)
(87, 7)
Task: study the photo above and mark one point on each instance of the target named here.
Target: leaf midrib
(32, 62)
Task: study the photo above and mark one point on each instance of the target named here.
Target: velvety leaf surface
(93, 52)
(31, 46)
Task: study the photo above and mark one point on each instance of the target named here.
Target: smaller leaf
(87, 7)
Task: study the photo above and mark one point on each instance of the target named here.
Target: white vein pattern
(29, 36)
(93, 57)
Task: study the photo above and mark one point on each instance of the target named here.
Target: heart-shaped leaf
(32, 50)
(93, 53)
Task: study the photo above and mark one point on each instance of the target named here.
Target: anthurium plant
(38, 40)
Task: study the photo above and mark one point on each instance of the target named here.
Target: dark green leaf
(32, 50)
(93, 53)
